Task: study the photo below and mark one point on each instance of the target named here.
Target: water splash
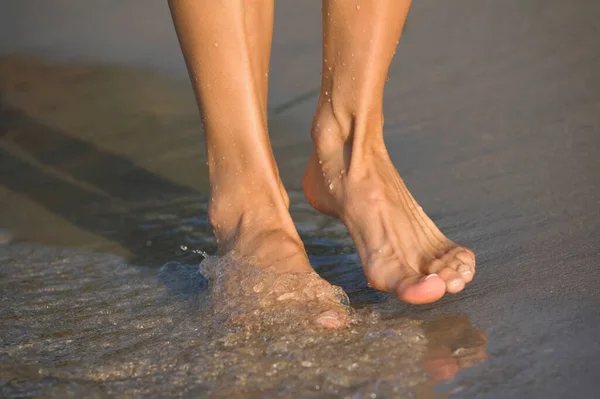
(246, 295)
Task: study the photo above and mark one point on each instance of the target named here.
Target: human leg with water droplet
(226, 46)
(350, 174)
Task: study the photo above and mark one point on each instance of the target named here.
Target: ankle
(330, 130)
(233, 211)
(358, 132)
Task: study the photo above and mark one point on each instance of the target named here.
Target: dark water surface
(492, 117)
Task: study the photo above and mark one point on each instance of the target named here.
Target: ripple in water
(77, 323)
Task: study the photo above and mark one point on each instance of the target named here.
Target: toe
(466, 263)
(434, 267)
(466, 256)
(330, 319)
(466, 272)
(453, 279)
(462, 260)
(418, 289)
(463, 269)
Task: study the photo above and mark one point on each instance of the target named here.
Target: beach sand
(492, 116)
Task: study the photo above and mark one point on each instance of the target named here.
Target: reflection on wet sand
(453, 345)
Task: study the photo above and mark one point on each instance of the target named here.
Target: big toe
(421, 289)
(331, 319)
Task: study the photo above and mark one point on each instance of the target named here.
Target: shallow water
(102, 211)
(82, 323)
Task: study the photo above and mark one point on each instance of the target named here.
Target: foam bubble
(245, 295)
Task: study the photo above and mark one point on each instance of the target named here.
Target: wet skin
(401, 249)
(227, 47)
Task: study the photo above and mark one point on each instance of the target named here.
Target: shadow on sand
(91, 188)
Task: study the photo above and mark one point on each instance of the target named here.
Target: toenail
(328, 316)
(455, 284)
(464, 269)
(330, 319)
(430, 276)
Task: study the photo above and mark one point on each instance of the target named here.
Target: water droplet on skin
(331, 186)
(326, 93)
(358, 7)
(216, 44)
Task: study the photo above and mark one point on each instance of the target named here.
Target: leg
(401, 250)
(226, 46)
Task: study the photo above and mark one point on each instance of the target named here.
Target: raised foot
(401, 249)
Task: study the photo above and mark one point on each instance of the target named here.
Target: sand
(492, 117)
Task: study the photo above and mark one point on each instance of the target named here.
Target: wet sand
(492, 117)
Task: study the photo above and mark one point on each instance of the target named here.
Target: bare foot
(401, 249)
(262, 230)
